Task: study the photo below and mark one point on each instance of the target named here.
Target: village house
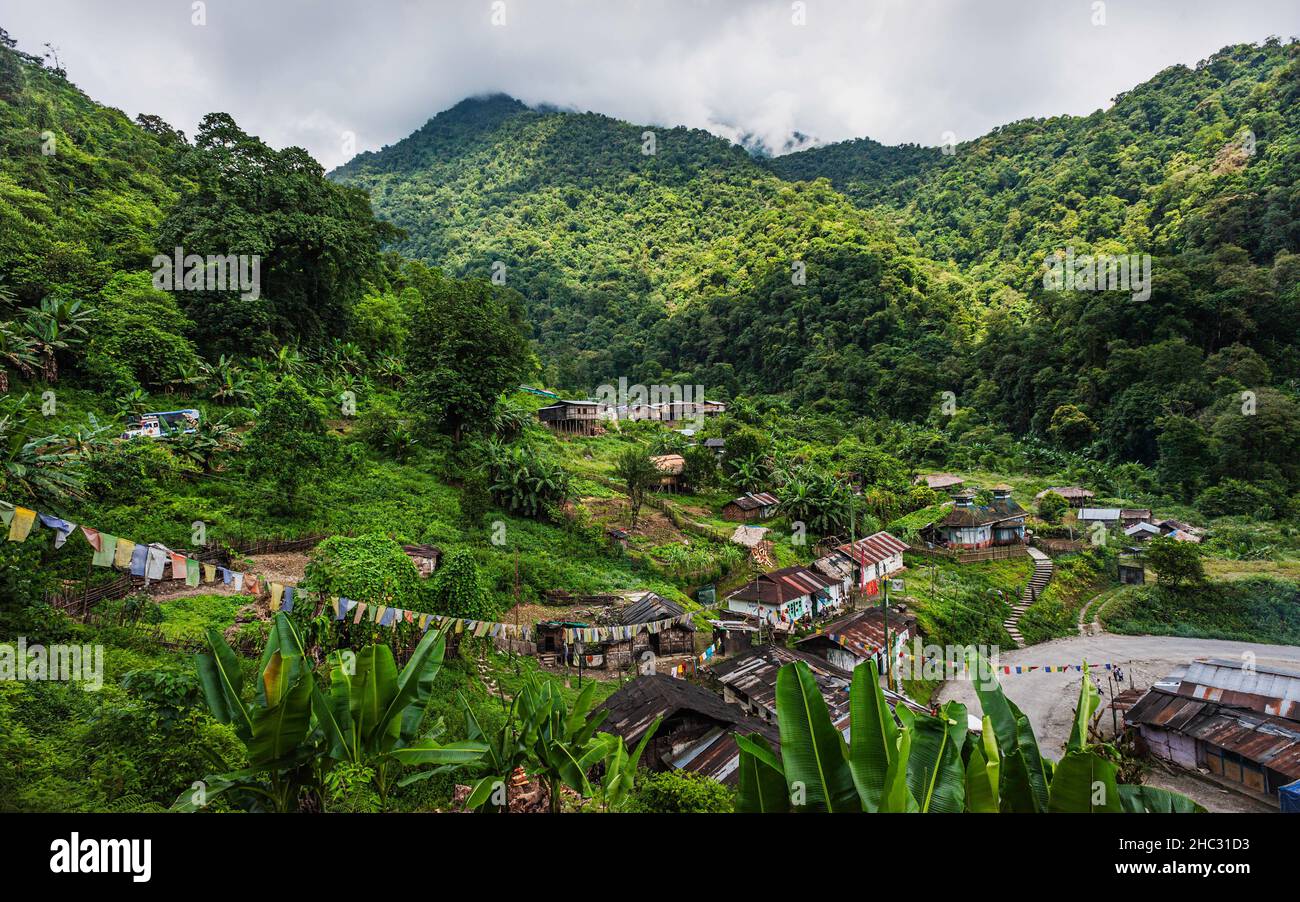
(672, 469)
(619, 654)
(787, 595)
(1108, 517)
(716, 445)
(1240, 723)
(1129, 516)
(696, 727)
(1141, 531)
(424, 557)
(860, 637)
(940, 482)
(734, 637)
(750, 506)
(1073, 494)
(969, 525)
(750, 680)
(837, 566)
(572, 417)
(874, 558)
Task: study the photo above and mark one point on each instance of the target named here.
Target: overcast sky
(309, 72)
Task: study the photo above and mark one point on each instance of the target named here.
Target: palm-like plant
(559, 744)
(293, 732)
(16, 352)
(928, 763)
(56, 326)
(228, 383)
(34, 468)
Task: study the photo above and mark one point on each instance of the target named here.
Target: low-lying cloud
(340, 77)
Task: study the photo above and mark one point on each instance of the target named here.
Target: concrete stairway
(1037, 583)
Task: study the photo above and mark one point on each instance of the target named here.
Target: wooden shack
(750, 506)
(572, 417)
(424, 557)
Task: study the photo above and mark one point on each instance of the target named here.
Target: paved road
(1048, 699)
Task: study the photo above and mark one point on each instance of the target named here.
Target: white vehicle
(156, 425)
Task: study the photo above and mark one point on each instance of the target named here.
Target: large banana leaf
(1024, 773)
(222, 680)
(1084, 782)
(334, 714)
(935, 775)
(982, 770)
(374, 686)
(280, 729)
(1089, 700)
(1153, 800)
(814, 754)
(763, 788)
(873, 741)
(402, 719)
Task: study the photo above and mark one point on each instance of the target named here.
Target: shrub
(370, 568)
(681, 792)
(458, 591)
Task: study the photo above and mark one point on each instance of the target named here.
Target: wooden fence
(973, 555)
(1059, 546)
(79, 602)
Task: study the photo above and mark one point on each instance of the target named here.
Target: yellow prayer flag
(22, 524)
(122, 557)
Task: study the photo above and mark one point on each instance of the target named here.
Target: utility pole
(884, 609)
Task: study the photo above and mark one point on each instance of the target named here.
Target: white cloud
(304, 72)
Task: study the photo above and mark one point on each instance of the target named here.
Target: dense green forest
(922, 270)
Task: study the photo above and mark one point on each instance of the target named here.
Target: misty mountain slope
(678, 264)
(606, 240)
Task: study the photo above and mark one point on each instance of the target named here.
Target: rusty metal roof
(862, 633)
(874, 548)
(1267, 690)
(1270, 741)
(754, 500)
(753, 674)
(780, 586)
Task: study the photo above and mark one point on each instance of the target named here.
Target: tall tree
(466, 348)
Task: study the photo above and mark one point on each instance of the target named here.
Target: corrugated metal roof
(1263, 689)
(1270, 741)
(754, 675)
(647, 606)
(874, 548)
(863, 632)
(754, 500)
(1098, 513)
(780, 586)
(836, 565)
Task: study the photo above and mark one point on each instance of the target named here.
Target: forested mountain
(673, 260)
(1197, 168)
(677, 263)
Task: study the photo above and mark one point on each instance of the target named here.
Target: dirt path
(1049, 698)
(1093, 627)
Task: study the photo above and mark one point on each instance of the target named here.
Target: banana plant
(293, 732)
(275, 727)
(620, 767)
(373, 714)
(902, 761)
(558, 744)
